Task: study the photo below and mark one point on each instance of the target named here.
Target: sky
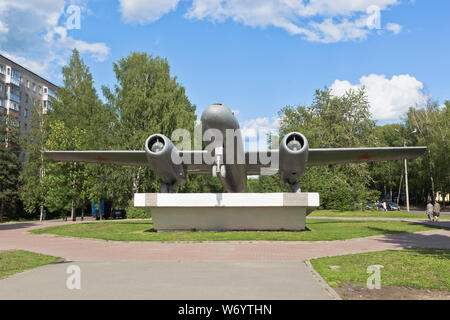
(256, 56)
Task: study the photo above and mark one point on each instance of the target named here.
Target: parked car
(119, 214)
(392, 206)
(369, 205)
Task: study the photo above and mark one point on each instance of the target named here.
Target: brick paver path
(16, 236)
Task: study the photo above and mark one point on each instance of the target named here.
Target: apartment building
(20, 89)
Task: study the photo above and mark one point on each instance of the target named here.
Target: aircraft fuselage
(218, 116)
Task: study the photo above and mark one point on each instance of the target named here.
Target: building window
(28, 84)
(34, 87)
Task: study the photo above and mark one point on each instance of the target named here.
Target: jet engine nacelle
(159, 151)
(293, 157)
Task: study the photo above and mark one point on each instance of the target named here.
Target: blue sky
(254, 56)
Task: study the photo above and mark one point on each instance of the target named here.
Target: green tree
(77, 121)
(146, 100)
(431, 172)
(62, 178)
(9, 166)
(32, 187)
(387, 176)
(334, 122)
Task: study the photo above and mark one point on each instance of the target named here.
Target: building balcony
(13, 80)
(49, 93)
(14, 97)
(52, 93)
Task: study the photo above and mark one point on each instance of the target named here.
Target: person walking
(429, 211)
(436, 211)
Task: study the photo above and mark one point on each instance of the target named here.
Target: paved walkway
(16, 236)
(207, 270)
(184, 280)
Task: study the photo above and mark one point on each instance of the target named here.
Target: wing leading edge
(130, 158)
(125, 158)
(330, 156)
(317, 157)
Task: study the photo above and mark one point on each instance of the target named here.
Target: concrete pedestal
(228, 211)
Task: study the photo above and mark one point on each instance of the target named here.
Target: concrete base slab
(228, 211)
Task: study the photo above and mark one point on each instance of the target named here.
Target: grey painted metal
(218, 116)
(125, 158)
(159, 149)
(294, 155)
(319, 157)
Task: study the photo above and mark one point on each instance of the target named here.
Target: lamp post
(406, 166)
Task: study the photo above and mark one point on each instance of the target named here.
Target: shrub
(137, 213)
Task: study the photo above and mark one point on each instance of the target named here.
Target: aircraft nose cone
(218, 116)
(216, 110)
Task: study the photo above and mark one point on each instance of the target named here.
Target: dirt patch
(351, 292)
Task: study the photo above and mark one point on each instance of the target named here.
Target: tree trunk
(2, 207)
(82, 213)
(432, 189)
(136, 176)
(42, 214)
(399, 188)
(444, 196)
(73, 215)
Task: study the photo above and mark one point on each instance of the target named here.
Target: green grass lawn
(16, 261)
(319, 230)
(371, 214)
(416, 268)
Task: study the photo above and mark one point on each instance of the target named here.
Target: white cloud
(145, 11)
(39, 67)
(255, 132)
(59, 39)
(315, 20)
(33, 33)
(389, 98)
(330, 32)
(394, 27)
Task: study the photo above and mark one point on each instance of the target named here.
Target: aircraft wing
(125, 157)
(317, 157)
(255, 161)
